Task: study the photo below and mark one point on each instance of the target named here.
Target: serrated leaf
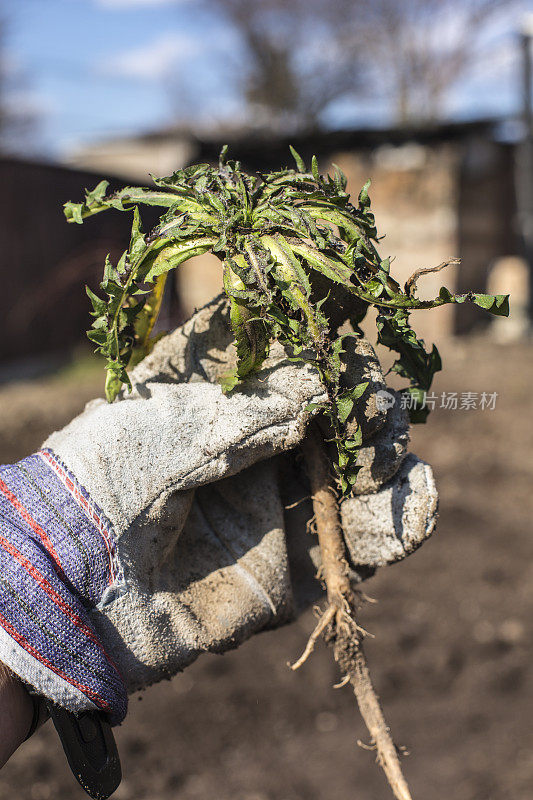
(495, 304)
(98, 336)
(97, 194)
(99, 306)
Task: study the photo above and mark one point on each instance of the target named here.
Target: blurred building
(437, 192)
(133, 158)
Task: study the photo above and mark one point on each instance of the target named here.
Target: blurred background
(431, 99)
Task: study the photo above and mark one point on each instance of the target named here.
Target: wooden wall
(45, 262)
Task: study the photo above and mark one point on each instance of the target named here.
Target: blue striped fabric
(57, 558)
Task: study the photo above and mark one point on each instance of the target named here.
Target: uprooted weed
(290, 241)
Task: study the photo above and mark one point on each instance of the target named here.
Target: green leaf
(98, 336)
(99, 306)
(97, 194)
(175, 254)
(228, 381)
(330, 266)
(137, 242)
(445, 294)
(299, 160)
(74, 212)
(359, 390)
(364, 199)
(336, 216)
(311, 407)
(355, 440)
(314, 169)
(340, 179)
(114, 382)
(251, 335)
(289, 267)
(495, 304)
(344, 407)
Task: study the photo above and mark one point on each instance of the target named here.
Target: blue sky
(99, 68)
(94, 69)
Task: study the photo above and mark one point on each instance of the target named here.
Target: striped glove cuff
(57, 560)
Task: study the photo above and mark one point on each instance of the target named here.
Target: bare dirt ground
(451, 658)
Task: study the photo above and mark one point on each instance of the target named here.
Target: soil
(451, 659)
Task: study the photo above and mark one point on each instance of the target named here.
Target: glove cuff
(57, 560)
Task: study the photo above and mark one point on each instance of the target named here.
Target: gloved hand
(151, 530)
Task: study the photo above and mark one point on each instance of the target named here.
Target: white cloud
(151, 61)
(125, 4)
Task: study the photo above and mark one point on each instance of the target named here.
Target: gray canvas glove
(185, 491)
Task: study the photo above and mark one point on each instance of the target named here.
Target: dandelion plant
(290, 243)
(274, 233)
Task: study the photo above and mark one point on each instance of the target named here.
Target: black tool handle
(90, 749)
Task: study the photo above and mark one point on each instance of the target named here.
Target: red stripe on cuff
(15, 502)
(33, 652)
(57, 599)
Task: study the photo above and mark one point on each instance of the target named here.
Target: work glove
(153, 529)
